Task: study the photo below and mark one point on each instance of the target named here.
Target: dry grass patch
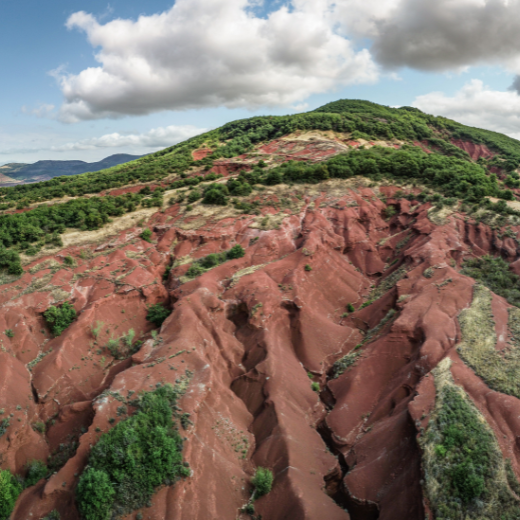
(50, 263)
(498, 369)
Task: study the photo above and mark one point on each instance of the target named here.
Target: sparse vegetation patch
(465, 473)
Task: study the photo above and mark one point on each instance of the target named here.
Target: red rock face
(474, 150)
(201, 153)
(256, 332)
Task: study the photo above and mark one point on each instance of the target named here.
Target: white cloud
(476, 105)
(155, 138)
(207, 53)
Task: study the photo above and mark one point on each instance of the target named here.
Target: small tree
(263, 482)
(157, 314)
(95, 495)
(36, 470)
(237, 251)
(9, 491)
(60, 317)
(146, 234)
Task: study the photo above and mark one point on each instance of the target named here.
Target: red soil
(474, 150)
(251, 343)
(201, 153)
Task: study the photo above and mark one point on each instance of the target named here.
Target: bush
(315, 387)
(10, 261)
(4, 424)
(237, 251)
(68, 260)
(53, 515)
(95, 495)
(9, 491)
(146, 234)
(262, 481)
(494, 273)
(216, 194)
(9, 333)
(36, 470)
(350, 307)
(308, 267)
(113, 347)
(213, 259)
(194, 271)
(194, 196)
(136, 456)
(97, 329)
(39, 426)
(157, 314)
(59, 318)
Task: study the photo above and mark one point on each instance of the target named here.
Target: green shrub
(53, 515)
(350, 307)
(157, 314)
(146, 234)
(494, 273)
(194, 271)
(315, 387)
(237, 251)
(9, 333)
(10, 261)
(128, 338)
(139, 454)
(428, 273)
(4, 424)
(216, 194)
(9, 491)
(194, 196)
(36, 470)
(59, 318)
(113, 347)
(308, 267)
(213, 259)
(68, 260)
(39, 426)
(390, 211)
(97, 329)
(95, 495)
(262, 481)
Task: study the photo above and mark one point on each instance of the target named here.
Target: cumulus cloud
(207, 53)
(436, 35)
(476, 105)
(155, 138)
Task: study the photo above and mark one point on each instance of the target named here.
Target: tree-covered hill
(422, 151)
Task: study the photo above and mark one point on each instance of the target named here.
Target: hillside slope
(333, 296)
(45, 170)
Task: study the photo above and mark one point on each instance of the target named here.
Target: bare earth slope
(253, 334)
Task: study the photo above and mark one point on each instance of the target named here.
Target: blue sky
(136, 76)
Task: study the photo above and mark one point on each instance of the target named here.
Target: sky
(87, 79)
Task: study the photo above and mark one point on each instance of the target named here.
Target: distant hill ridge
(21, 173)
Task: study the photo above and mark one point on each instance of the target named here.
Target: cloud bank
(211, 53)
(155, 138)
(476, 105)
(207, 53)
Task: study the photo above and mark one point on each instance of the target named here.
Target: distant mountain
(19, 173)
